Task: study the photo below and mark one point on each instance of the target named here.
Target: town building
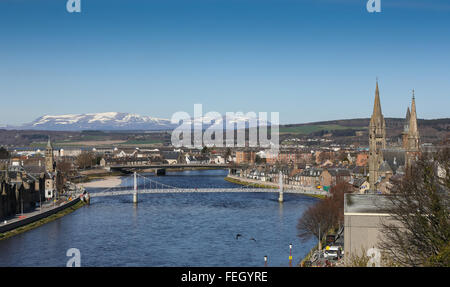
(364, 215)
(245, 157)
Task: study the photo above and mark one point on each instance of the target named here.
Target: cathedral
(377, 140)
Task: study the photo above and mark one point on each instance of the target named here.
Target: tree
(4, 154)
(227, 153)
(337, 198)
(317, 220)
(85, 159)
(324, 156)
(419, 230)
(326, 214)
(3, 167)
(342, 156)
(259, 160)
(64, 167)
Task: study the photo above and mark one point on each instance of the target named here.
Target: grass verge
(257, 185)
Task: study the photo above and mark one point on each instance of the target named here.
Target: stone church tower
(49, 161)
(412, 149)
(377, 140)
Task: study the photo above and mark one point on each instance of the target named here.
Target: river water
(190, 229)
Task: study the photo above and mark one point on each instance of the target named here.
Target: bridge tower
(280, 183)
(135, 194)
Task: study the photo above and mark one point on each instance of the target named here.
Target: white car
(332, 252)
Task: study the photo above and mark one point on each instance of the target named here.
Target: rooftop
(366, 203)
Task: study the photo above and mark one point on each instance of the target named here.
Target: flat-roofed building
(364, 216)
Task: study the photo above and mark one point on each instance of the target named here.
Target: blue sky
(310, 60)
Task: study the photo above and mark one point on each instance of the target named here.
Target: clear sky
(310, 60)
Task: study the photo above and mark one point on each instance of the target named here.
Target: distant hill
(115, 121)
(357, 129)
(96, 121)
(346, 131)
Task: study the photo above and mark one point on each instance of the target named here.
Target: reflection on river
(170, 229)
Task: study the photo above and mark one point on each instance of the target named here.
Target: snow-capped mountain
(126, 121)
(98, 121)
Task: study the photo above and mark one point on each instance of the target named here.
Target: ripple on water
(170, 229)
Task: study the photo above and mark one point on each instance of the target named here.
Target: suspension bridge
(147, 185)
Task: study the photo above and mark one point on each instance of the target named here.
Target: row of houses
(306, 156)
(19, 192)
(138, 157)
(312, 176)
(322, 178)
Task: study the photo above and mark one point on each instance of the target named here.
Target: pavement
(47, 205)
(318, 259)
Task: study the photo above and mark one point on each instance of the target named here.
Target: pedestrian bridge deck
(203, 190)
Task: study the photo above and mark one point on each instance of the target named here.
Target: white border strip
(366, 214)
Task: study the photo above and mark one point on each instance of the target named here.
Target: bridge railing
(148, 185)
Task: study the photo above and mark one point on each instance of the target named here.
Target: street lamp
(290, 255)
(320, 240)
(265, 261)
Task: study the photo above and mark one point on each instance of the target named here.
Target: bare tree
(317, 220)
(85, 159)
(418, 232)
(64, 167)
(4, 154)
(326, 214)
(337, 198)
(227, 153)
(325, 155)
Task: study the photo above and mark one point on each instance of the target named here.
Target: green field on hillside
(143, 141)
(307, 129)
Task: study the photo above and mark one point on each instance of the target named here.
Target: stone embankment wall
(31, 219)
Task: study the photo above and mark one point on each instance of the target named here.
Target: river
(190, 229)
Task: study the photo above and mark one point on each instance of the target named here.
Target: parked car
(333, 252)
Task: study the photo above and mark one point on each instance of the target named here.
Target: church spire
(407, 119)
(413, 146)
(413, 131)
(377, 140)
(377, 105)
(49, 143)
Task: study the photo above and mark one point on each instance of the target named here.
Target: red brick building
(245, 156)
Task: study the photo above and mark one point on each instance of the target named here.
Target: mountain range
(114, 121)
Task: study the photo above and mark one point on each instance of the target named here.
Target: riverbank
(247, 183)
(93, 174)
(262, 184)
(34, 224)
(110, 217)
(102, 182)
